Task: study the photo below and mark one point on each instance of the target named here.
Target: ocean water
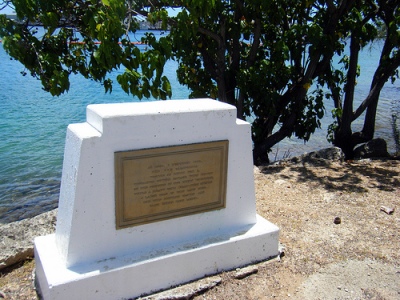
(33, 127)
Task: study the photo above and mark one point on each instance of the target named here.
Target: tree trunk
(267, 140)
(343, 135)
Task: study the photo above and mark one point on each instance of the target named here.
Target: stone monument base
(153, 195)
(131, 276)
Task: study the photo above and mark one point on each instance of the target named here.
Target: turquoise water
(33, 126)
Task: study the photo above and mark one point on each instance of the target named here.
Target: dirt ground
(356, 257)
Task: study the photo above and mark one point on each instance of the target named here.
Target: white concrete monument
(153, 195)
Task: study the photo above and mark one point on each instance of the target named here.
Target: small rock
(388, 210)
(2, 295)
(373, 148)
(332, 153)
(337, 220)
(187, 291)
(281, 249)
(244, 272)
(280, 181)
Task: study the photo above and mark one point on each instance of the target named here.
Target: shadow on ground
(346, 176)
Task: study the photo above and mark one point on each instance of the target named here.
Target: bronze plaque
(163, 183)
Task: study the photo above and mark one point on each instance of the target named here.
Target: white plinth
(87, 258)
(127, 277)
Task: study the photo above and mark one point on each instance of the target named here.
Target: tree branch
(211, 34)
(256, 44)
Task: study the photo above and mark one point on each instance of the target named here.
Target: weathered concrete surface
(16, 238)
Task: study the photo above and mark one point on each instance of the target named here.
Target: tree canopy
(271, 59)
(90, 38)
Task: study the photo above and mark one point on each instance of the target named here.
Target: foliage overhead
(90, 38)
(271, 59)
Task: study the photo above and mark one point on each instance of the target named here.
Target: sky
(7, 10)
(171, 11)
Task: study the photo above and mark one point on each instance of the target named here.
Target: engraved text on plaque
(162, 183)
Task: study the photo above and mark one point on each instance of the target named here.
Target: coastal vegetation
(271, 59)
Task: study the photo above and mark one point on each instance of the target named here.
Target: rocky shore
(340, 242)
(17, 237)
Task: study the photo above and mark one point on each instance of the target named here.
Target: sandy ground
(359, 258)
